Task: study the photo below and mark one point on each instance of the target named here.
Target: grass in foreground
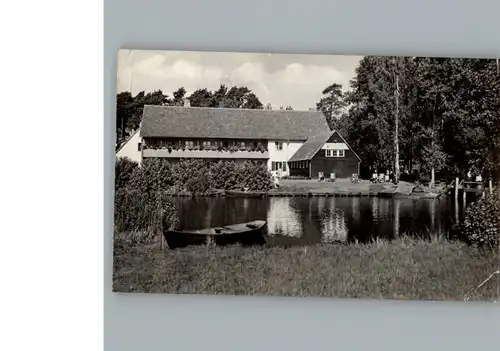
(403, 269)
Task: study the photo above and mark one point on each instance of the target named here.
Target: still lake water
(308, 221)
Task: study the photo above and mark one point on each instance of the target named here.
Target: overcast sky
(281, 79)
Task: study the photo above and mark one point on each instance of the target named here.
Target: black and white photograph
(268, 174)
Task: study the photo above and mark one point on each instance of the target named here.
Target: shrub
(191, 175)
(223, 176)
(124, 167)
(198, 176)
(147, 212)
(154, 175)
(229, 175)
(481, 226)
(256, 176)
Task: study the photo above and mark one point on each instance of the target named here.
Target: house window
(206, 144)
(279, 145)
(139, 146)
(335, 153)
(278, 165)
(189, 143)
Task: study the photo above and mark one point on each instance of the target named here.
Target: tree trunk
(431, 185)
(396, 132)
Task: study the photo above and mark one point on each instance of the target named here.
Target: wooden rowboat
(244, 193)
(251, 233)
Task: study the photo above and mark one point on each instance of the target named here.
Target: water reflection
(397, 208)
(306, 221)
(282, 219)
(333, 223)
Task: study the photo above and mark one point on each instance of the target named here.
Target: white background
(53, 164)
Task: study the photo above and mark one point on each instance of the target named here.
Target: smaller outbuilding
(327, 153)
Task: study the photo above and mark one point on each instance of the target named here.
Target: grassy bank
(403, 269)
(340, 186)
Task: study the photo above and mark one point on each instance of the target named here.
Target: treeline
(129, 108)
(448, 113)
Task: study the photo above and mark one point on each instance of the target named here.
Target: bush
(198, 176)
(481, 226)
(229, 175)
(255, 176)
(154, 175)
(124, 167)
(223, 176)
(139, 211)
(191, 175)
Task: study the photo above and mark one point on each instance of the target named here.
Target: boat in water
(246, 234)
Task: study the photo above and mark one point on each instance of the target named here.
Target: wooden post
(456, 188)
(490, 186)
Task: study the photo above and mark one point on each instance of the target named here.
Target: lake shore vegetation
(191, 176)
(401, 269)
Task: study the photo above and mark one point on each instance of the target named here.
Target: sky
(279, 79)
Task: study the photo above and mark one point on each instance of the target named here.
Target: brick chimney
(186, 103)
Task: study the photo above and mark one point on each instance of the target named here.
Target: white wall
(335, 146)
(289, 149)
(131, 148)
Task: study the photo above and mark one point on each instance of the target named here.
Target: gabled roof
(125, 142)
(349, 146)
(206, 122)
(311, 147)
(314, 144)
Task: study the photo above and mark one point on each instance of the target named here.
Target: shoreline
(311, 188)
(272, 193)
(408, 268)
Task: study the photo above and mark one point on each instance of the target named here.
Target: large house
(290, 142)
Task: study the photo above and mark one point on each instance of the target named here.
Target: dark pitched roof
(311, 147)
(349, 146)
(314, 144)
(205, 122)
